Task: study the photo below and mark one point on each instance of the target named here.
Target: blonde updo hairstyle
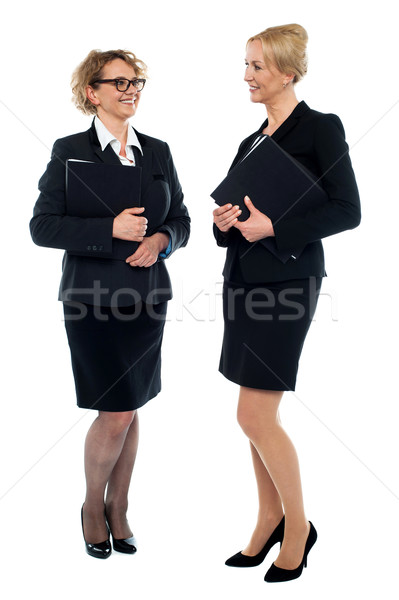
(91, 68)
(284, 46)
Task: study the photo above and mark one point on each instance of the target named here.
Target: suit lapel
(243, 149)
(290, 122)
(107, 155)
(146, 173)
(284, 128)
(151, 168)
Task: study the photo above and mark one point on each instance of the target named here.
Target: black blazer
(317, 141)
(90, 274)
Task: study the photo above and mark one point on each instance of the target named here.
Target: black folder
(276, 183)
(102, 190)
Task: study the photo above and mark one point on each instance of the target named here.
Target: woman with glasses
(269, 303)
(115, 285)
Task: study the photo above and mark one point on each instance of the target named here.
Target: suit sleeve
(51, 227)
(342, 211)
(177, 222)
(225, 238)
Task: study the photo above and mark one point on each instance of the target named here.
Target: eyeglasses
(122, 84)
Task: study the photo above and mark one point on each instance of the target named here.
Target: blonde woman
(114, 309)
(268, 304)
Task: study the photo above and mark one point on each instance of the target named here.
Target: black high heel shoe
(242, 560)
(275, 574)
(100, 550)
(127, 545)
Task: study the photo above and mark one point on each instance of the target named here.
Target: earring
(284, 85)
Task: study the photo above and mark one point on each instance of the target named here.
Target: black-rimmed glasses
(122, 84)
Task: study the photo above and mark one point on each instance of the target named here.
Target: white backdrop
(193, 499)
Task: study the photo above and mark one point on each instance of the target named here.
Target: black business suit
(317, 141)
(264, 353)
(114, 313)
(89, 243)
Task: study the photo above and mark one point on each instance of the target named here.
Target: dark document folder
(102, 190)
(276, 183)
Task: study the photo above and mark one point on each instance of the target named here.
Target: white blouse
(105, 137)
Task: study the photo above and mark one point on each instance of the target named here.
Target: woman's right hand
(128, 226)
(225, 216)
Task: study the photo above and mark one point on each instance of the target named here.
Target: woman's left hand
(257, 226)
(147, 253)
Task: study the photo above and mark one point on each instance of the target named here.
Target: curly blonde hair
(90, 69)
(285, 47)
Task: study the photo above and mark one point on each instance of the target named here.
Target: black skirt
(264, 331)
(115, 353)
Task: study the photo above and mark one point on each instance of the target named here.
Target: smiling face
(266, 82)
(112, 104)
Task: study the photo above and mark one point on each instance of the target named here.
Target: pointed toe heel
(99, 550)
(126, 546)
(276, 574)
(243, 561)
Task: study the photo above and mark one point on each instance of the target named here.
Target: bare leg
(119, 482)
(259, 419)
(270, 508)
(104, 444)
